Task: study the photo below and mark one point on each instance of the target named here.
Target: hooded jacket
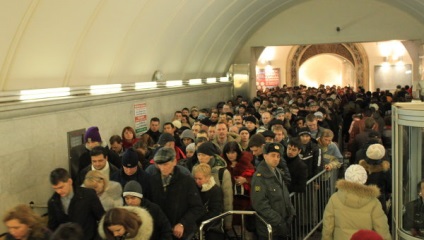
(380, 175)
(144, 232)
(354, 207)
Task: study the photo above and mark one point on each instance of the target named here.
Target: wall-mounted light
(210, 80)
(224, 79)
(44, 93)
(145, 85)
(174, 83)
(196, 81)
(105, 89)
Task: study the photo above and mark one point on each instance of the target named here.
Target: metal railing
(236, 212)
(309, 207)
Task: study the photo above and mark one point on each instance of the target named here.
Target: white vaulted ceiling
(69, 43)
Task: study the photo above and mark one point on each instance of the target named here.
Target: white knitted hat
(356, 173)
(376, 151)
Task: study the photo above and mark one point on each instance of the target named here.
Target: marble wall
(33, 145)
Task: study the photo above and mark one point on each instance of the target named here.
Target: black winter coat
(299, 174)
(180, 200)
(140, 176)
(311, 155)
(161, 226)
(85, 209)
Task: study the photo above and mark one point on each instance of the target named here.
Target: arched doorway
(327, 69)
(352, 52)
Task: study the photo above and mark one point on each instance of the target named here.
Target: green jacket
(271, 200)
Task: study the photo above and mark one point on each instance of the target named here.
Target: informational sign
(140, 118)
(268, 77)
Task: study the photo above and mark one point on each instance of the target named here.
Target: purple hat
(92, 135)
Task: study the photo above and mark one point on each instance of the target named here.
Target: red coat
(243, 168)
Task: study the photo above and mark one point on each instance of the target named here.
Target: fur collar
(358, 189)
(207, 186)
(146, 229)
(384, 166)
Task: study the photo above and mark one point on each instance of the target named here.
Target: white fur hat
(376, 151)
(356, 173)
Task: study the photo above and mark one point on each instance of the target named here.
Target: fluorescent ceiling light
(105, 89)
(196, 81)
(174, 83)
(211, 80)
(44, 93)
(144, 85)
(223, 79)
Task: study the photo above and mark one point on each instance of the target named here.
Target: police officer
(270, 196)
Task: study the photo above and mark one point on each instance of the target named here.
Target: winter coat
(161, 226)
(243, 168)
(216, 163)
(271, 200)
(145, 230)
(112, 196)
(81, 175)
(180, 200)
(212, 199)
(299, 174)
(85, 209)
(379, 175)
(311, 155)
(140, 176)
(353, 207)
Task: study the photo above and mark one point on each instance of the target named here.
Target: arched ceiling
(58, 43)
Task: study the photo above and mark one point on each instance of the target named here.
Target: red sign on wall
(268, 77)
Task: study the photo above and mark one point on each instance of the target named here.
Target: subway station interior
(66, 65)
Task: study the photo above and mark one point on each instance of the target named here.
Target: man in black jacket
(298, 169)
(78, 205)
(176, 194)
(133, 195)
(99, 162)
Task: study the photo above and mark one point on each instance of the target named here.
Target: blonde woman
(109, 192)
(209, 153)
(212, 199)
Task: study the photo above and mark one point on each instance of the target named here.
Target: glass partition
(407, 145)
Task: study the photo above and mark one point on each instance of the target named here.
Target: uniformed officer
(270, 196)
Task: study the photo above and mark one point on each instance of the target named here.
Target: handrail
(316, 176)
(237, 212)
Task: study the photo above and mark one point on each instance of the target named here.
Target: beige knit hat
(376, 151)
(356, 173)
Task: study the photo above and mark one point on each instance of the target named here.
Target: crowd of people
(242, 154)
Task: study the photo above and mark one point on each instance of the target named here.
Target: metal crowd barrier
(236, 212)
(309, 207)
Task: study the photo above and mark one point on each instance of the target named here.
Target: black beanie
(208, 148)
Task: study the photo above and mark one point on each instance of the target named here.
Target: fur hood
(356, 195)
(146, 229)
(384, 166)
